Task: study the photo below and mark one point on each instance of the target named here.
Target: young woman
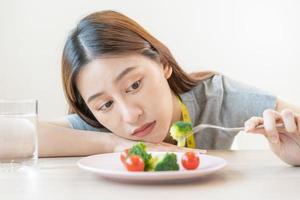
(123, 85)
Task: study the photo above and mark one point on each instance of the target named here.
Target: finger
(289, 121)
(298, 124)
(252, 123)
(270, 117)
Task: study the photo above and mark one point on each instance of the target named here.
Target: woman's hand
(122, 144)
(285, 143)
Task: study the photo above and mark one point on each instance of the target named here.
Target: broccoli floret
(168, 162)
(140, 150)
(179, 130)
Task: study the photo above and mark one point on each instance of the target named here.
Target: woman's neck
(176, 116)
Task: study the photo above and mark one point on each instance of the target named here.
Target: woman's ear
(168, 71)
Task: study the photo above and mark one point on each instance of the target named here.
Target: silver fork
(199, 127)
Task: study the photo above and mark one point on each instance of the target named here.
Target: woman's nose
(131, 113)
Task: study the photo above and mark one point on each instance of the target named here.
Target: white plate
(109, 166)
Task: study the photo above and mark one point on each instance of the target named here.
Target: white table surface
(249, 175)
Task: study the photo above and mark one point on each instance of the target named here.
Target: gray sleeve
(240, 101)
(225, 102)
(77, 123)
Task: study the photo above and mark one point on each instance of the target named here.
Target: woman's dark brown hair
(112, 33)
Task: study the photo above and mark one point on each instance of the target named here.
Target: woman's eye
(106, 106)
(134, 86)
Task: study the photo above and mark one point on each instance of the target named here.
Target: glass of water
(18, 134)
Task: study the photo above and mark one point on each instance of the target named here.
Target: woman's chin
(160, 139)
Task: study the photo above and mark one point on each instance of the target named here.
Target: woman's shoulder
(203, 75)
(208, 85)
(208, 82)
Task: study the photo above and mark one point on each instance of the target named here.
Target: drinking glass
(18, 134)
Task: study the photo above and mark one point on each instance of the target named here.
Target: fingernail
(249, 127)
(246, 128)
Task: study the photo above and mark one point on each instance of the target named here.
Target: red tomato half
(124, 155)
(134, 163)
(190, 160)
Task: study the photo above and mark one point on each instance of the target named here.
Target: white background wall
(254, 41)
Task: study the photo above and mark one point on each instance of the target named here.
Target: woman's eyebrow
(123, 73)
(94, 96)
(117, 79)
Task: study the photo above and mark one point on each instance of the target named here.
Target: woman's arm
(59, 139)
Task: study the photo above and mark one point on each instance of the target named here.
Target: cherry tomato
(190, 160)
(134, 163)
(124, 155)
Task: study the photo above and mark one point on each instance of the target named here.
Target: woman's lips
(144, 130)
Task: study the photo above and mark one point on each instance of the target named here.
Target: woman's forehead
(108, 71)
(111, 68)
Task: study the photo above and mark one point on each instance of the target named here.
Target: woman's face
(130, 96)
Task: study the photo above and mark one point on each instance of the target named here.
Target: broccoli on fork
(179, 131)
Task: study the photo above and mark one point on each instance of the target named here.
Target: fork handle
(203, 126)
